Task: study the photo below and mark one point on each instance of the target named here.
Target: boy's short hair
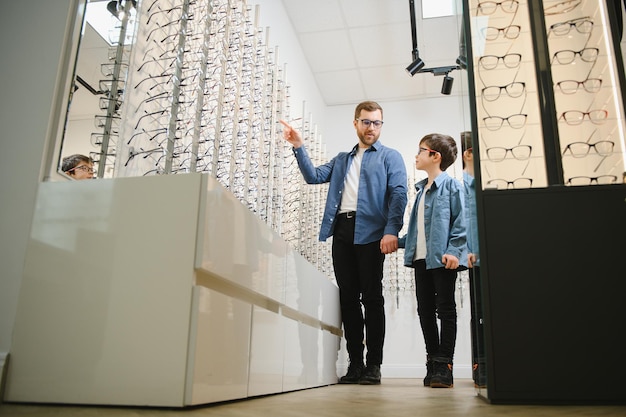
(70, 162)
(466, 144)
(466, 140)
(443, 144)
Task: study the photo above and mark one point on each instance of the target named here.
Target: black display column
(554, 286)
(548, 127)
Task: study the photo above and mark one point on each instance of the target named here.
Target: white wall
(31, 45)
(406, 122)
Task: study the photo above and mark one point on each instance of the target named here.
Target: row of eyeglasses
(203, 92)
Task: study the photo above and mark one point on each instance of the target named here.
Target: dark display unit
(548, 128)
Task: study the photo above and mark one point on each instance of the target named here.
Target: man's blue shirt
(382, 194)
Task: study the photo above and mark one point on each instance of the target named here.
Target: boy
(435, 246)
(78, 167)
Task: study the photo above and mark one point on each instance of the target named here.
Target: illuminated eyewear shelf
(563, 127)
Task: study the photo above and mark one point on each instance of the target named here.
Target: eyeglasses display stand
(546, 83)
(541, 112)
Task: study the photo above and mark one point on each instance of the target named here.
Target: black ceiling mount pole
(413, 30)
(417, 66)
(417, 63)
(462, 58)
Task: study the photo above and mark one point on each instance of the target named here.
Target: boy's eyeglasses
(367, 123)
(430, 151)
(83, 168)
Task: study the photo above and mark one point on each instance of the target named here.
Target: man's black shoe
(371, 375)
(353, 376)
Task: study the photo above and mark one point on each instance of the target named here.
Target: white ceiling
(356, 49)
(359, 49)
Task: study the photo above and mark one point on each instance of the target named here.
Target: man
(364, 212)
(78, 167)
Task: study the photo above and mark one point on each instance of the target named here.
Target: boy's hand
(471, 260)
(450, 261)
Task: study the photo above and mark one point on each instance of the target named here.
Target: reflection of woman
(473, 260)
(79, 167)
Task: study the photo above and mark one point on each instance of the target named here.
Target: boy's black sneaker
(371, 375)
(442, 375)
(353, 376)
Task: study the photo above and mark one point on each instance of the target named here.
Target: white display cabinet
(164, 291)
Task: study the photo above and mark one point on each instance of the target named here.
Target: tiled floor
(394, 398)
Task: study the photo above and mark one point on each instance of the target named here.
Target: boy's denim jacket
(444, 221)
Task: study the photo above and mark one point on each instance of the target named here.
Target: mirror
(96, 95)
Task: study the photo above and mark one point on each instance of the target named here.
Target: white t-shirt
(351, 185)
(420, 249)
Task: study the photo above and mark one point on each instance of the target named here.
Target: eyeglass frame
(498, 58)
(430, 151)
(503, 119)
(529, 180)
(376, 124)
(571, 23)
(589, 146)
(84, 168)
(592, 179)
(547, 11)
(505, 88)
(496, 4)
(504, 30)
(579, 53)
(595, 121)
(507, 150)
(579, 83)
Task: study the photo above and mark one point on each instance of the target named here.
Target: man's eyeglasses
(367, 123)
(430, 151)
(83, 168)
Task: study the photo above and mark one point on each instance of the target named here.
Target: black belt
(348, 214)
